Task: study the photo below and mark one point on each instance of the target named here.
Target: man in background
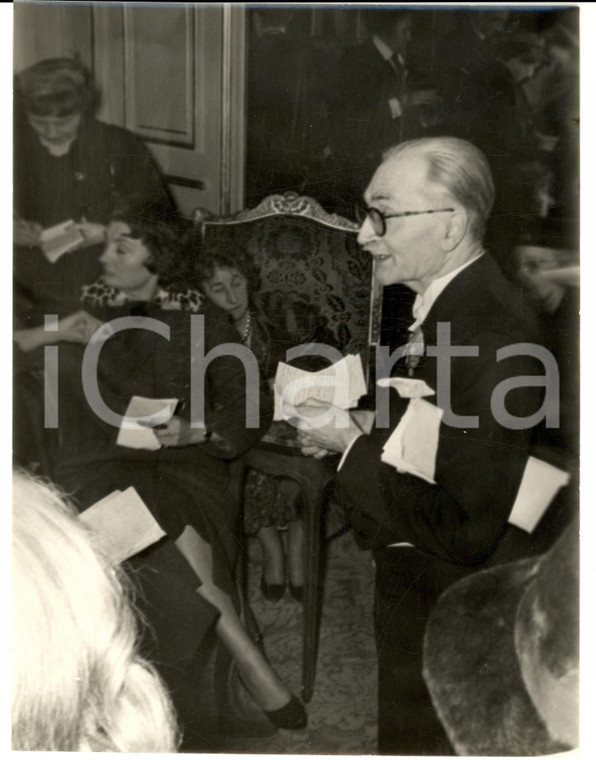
(284, 111)
(367, 117)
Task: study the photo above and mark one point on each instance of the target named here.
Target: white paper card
(412, 447)
(123, 524)
(58, 240)
(407, 387)
(540, 483)
(342, 384)
(141, 415)
(395, 108)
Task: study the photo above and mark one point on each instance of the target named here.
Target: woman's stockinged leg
(273, 556)
(257, 674)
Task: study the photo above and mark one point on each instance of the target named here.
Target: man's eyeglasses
(378, 219)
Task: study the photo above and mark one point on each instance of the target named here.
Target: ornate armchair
(313, 273)
(318, 283)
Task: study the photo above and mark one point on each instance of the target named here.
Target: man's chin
(385, 278)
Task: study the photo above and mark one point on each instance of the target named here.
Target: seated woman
(230, 280)
(78, 683)
(68, 167)
(154, 352)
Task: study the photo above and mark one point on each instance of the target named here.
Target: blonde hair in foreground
(77, 681)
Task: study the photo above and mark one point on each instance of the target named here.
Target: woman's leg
(272, 552)
(257, 674)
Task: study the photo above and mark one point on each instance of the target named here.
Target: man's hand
(314, 451)
(336, 434)
(178, 432)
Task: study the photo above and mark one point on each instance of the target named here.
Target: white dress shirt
(423, 303)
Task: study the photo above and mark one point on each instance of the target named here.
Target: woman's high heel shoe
(297, 592)
(291, 716)
(273, 592)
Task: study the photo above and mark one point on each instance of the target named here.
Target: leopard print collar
(98, 294)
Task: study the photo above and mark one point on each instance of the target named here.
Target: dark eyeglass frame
(378, 218)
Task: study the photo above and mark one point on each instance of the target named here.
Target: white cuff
(347, 451)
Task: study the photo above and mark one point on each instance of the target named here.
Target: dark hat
(501, 656)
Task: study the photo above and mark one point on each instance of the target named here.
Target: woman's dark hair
(208, 261)
(162, 231)
(56, 87)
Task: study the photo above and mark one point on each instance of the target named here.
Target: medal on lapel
(414, 350)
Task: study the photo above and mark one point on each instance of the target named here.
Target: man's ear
(456, 228)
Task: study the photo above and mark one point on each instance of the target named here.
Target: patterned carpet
(342, 712)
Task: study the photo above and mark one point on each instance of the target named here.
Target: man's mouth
(380, 256)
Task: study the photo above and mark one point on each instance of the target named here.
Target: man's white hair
(461, 168)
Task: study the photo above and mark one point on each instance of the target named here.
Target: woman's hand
(26, 233)
(92, 233)
(178, 432)
(76, 328)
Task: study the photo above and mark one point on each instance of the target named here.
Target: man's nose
(366, 232)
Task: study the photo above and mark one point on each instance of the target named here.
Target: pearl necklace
(247, 327)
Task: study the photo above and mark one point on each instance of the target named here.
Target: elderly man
(460, 429)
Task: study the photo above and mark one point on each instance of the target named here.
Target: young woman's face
(55, 131)
(124, 263)
(228, 289)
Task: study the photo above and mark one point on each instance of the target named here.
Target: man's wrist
(200, 435)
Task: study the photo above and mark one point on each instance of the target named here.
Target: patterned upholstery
(315, 278)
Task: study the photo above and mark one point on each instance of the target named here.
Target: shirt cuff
(347, 451)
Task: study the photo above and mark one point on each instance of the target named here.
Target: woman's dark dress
(104, 165)
(182, 486)
(268, 500)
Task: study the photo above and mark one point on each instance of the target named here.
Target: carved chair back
(314, 278)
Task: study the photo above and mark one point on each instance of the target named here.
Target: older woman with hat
(68, 167)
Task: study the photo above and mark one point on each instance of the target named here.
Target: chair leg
(238, 473)
(248, 616)
(313, 503)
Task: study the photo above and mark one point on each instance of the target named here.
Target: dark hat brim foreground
(472, 666)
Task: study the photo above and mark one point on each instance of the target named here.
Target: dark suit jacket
(478, 470)
(187, 485)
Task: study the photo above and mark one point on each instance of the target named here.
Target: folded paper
(407, 387)
(58, 240)
(540, 483)
(342, 384)
(141, 416)
(122, 524)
